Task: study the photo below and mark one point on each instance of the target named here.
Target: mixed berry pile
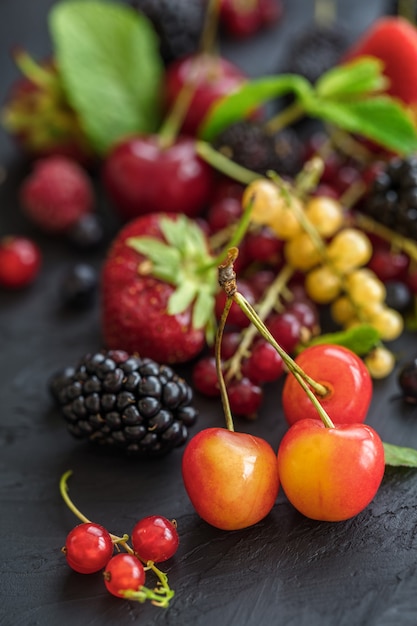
(205, 179)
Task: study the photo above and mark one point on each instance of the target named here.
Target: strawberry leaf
(380, 118)
(250, 95)
(399, 456)
(360, 77)
(109, 63)
(182, 298)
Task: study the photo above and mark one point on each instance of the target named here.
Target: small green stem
(210, 27)
(284, 118)
(222, 385)
(224, 165)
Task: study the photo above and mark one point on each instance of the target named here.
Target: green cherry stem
(227, 280)
(304, 380)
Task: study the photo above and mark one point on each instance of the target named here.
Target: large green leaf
(109, 61)
(248, 97)
(360, 77)
(379, 118)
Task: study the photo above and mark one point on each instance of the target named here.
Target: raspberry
(126, 403)
(56, 194)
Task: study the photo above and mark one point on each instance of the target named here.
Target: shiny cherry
(142, 176)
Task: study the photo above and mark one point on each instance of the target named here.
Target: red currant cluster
(89, 548)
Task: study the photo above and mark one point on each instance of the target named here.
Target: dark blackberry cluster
(178, 24)
(392, 197)
(315, 51)
(249, 145)
(124, 402)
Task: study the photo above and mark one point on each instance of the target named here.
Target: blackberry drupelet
(123, 402)
(178, 24)
(392, 197)
(248, 144)
(315, 51)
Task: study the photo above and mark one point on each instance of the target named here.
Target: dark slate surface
(287, 570)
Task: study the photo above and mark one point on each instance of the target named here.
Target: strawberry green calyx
(184, 261)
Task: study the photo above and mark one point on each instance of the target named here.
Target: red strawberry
(56, 194)
(394, 41)
(156, 299)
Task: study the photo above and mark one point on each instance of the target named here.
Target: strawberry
(394, 41)
(56, 194)
(158, 285)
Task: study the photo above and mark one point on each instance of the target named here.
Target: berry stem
(224, 165)
(210, 28)
(268, 303)
(304, 380)
(402, 243)
(227, 280)
(284, 118)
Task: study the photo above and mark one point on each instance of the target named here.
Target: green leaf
(360, 339)
(380, 118)
(399, 456)
(109, 62)
(182, 297)
(360, 77)
(203, 308)
(250, 95)
(165, 259)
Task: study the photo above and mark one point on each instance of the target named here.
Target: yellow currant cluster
(333, 257)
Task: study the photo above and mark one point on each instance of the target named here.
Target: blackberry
(392, 197)
(178, 24)
(123, 402)
(407, 381)
(87, 233)
(249, 145)
(316, 50)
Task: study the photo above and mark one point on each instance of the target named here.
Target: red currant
(205, 378)
(286, 329)
(124, 572)
(223, 213)
(20, 261)
(88, 548)
(264, 364)
(155, 538)
(245, 397)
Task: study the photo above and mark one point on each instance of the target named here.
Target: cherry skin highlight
(231, 478)
(330, 474)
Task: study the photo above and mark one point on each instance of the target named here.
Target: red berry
(205, 378)
(223, 213)
(133, 166)
(264, 364)
(155, 538)
(20, 261)
(286, 329)
(388, 264)
(56, 194)
(230, 343)
(124, 572)
(307, 313)
(263, 246)
(88, 548)
(245, 397)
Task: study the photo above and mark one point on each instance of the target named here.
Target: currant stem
(284, 118)
(210, 27)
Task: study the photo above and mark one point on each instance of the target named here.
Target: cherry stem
(222, 385)
(162, 594)
(284, 118)
(268, 303)
(306, 382)
(210, 27)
